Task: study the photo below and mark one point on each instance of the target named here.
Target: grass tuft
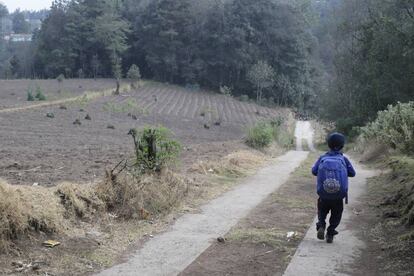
(131, 197)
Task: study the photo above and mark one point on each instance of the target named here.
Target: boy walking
(332, 170)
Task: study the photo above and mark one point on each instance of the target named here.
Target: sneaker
(321, 233)
(329, 238)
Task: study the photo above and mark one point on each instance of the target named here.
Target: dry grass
(133, 197)
(270, 236)
(237, 164)
(27, 209)
(80, 201)
(12, 219)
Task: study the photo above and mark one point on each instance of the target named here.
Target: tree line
(370, 50)
(264, 49)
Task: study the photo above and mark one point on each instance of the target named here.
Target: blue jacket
(351, 170)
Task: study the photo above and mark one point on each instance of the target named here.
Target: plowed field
(38, 149)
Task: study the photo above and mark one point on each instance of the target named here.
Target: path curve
(304, 131)
(317, 258)
(171, 252)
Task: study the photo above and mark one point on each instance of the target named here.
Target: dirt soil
(258, 245)
(38, 149)
(386, 253)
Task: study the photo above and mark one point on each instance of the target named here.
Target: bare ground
(44, 150)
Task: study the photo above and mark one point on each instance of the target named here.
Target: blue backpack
(332, 177)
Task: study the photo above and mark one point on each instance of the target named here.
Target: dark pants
(336, 208)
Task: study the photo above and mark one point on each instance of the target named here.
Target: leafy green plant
(154, 148)
(260, 135)
(225, 90)
(39, 94)
(393, 127)
(134, 75)
(60, 78)
(30, 96)
(244, 98)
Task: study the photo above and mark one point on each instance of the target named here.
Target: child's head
(336, 141)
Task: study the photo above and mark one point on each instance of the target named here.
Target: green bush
(60, 78)
(393, 127)
(260, 135)
(154, 148)
(225, 90)
(244, 98)
(39, 94)
(134, 75)
(347, 126)
(30, 97)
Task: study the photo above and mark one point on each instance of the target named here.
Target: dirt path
(304, 131)
(315, 257)
(87, 95)
(173, 251)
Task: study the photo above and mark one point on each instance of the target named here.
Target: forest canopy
(212, 45)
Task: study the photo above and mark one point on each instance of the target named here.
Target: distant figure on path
(332, 170)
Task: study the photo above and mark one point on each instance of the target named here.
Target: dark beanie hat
(336, 141)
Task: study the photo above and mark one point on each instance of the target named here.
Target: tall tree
(20, 25)
(111, 32)
(374, 58)
(262, 76)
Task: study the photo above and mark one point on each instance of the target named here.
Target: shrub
(393, 127)
(225, 90)
(154, 148)
(193, 86)
(244, 98)
(260, 135)
(134, 74)
(30, 96)
(60, 78)
(347, 126)
(39, 94)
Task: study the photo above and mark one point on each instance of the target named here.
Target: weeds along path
(171, 252)
(316, 257)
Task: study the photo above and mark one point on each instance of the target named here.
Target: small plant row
(35, 94)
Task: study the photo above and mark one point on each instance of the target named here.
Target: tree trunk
(118, 85)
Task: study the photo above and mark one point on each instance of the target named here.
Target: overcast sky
(27, 4)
